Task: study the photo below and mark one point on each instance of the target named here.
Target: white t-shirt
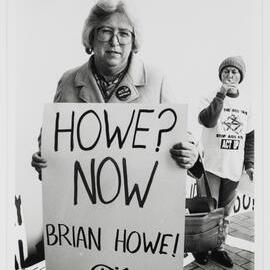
(224, 144)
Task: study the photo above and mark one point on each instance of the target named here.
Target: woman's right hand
(223, 89)
(38, 162)
(228, 87)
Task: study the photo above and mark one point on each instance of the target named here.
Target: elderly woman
(114, 73)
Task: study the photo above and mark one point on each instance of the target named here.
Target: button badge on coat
(123, 92)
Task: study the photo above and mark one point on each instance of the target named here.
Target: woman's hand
(38, 162)
(223, 89)
(228, 88)
(185, 154)
(250, 173)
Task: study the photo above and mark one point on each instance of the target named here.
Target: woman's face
(230, 75)
(113, 43)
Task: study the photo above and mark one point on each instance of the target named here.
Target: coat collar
(89, 90)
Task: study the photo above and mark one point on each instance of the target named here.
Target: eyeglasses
(105, 34)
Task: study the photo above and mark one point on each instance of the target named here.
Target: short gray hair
(100, 12)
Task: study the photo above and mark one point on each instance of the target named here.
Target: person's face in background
(113, 44)
(230, 77)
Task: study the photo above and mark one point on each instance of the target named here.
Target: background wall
(186, 39)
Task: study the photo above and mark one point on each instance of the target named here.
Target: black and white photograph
(133, 134)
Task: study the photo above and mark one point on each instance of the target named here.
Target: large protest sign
(113, 198)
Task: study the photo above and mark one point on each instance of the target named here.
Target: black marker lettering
(78, 171)
(90, 147)
(116, 132)
(135, 190)
(137, 128)
(67, 130)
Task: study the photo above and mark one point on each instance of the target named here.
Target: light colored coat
(147, 85)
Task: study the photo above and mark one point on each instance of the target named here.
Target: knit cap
(234, 61)
(109, 5)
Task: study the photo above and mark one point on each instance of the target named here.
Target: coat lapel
(86, 83)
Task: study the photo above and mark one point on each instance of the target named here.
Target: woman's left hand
(185, 154)
(250, 173)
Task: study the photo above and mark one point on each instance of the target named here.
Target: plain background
(186, 39)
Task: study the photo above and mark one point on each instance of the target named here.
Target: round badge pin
(123, 92)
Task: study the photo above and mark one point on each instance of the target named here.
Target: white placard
(113, 197)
